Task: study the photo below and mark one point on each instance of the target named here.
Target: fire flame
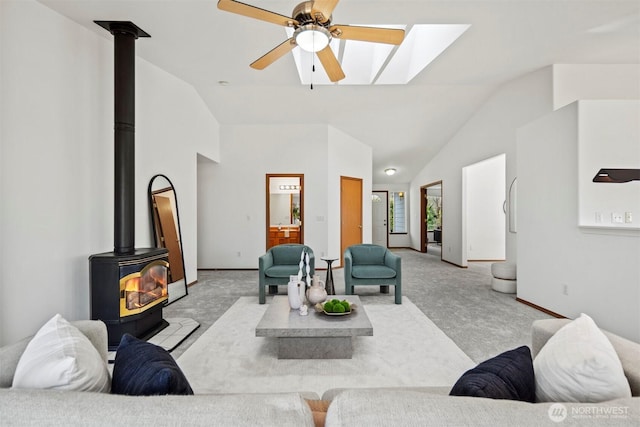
(142, 290)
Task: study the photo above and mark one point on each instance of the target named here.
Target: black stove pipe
(125, 34)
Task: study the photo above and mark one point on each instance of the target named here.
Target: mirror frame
(151, 193)
(513, 203)
(268, 203)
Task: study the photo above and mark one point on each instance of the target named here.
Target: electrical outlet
(628, 217)
(565, 289)
(598, 217)
(616, 218)
(239, 254)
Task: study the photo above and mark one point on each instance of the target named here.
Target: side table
(328, 283)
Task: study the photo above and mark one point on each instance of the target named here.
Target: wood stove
(128, 285)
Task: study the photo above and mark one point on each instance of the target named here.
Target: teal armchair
(374, 265)
(280, 262)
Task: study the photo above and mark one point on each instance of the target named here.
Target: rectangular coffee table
(317, 335)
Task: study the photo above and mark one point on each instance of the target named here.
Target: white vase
(293, 292)
(316, 293)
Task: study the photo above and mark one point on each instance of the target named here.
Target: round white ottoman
(504, 277)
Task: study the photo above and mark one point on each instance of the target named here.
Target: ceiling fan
(313, 30)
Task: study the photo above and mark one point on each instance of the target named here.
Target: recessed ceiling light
(390, 171)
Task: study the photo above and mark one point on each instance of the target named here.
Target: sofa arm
(265, 261)
(348, 263)
(392, 261)
(348, 266)
(96, 331)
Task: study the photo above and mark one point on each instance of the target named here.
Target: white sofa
(432, 406)
(70, 408)
(426, 406)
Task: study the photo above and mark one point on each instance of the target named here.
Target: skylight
(367, 63)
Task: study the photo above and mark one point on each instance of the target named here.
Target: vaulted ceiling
(406, 125)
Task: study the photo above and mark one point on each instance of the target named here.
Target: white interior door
(379, 215)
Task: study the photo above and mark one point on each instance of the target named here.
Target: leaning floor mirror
(165, 220)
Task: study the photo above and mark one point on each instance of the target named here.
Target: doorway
(431, 198)
(483, 217)
(379, 215)
(284, 209)
(350, 213)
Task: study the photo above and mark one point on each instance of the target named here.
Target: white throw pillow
(61, 357)
(579, 364)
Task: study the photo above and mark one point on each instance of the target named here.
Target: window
(397, 213)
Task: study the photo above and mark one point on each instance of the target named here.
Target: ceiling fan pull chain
(313, 69)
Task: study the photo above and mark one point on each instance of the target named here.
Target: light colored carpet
(406, 349)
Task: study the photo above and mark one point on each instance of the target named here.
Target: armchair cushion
(281, 271)
(367, 254)
(285, 254)
(372, 272)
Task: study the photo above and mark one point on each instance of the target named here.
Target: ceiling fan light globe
(312, 38)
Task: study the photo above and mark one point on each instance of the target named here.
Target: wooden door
(350, 213)
(169, 237)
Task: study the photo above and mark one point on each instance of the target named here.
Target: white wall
(56, 171)
(490, 132)
(562, 267)
(232, 194)
(483, 197)
(348, 157)
(573, 82)
(609, 138)
(232, 199)
(173, 124)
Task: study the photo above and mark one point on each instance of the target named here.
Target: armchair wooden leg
(261, 296)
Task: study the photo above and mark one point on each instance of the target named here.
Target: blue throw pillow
(506, 376)
(144, 369)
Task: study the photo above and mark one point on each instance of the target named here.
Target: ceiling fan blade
(325, 7)
(330, 64)
(273, 55)
(255, 12)
(367, 34)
